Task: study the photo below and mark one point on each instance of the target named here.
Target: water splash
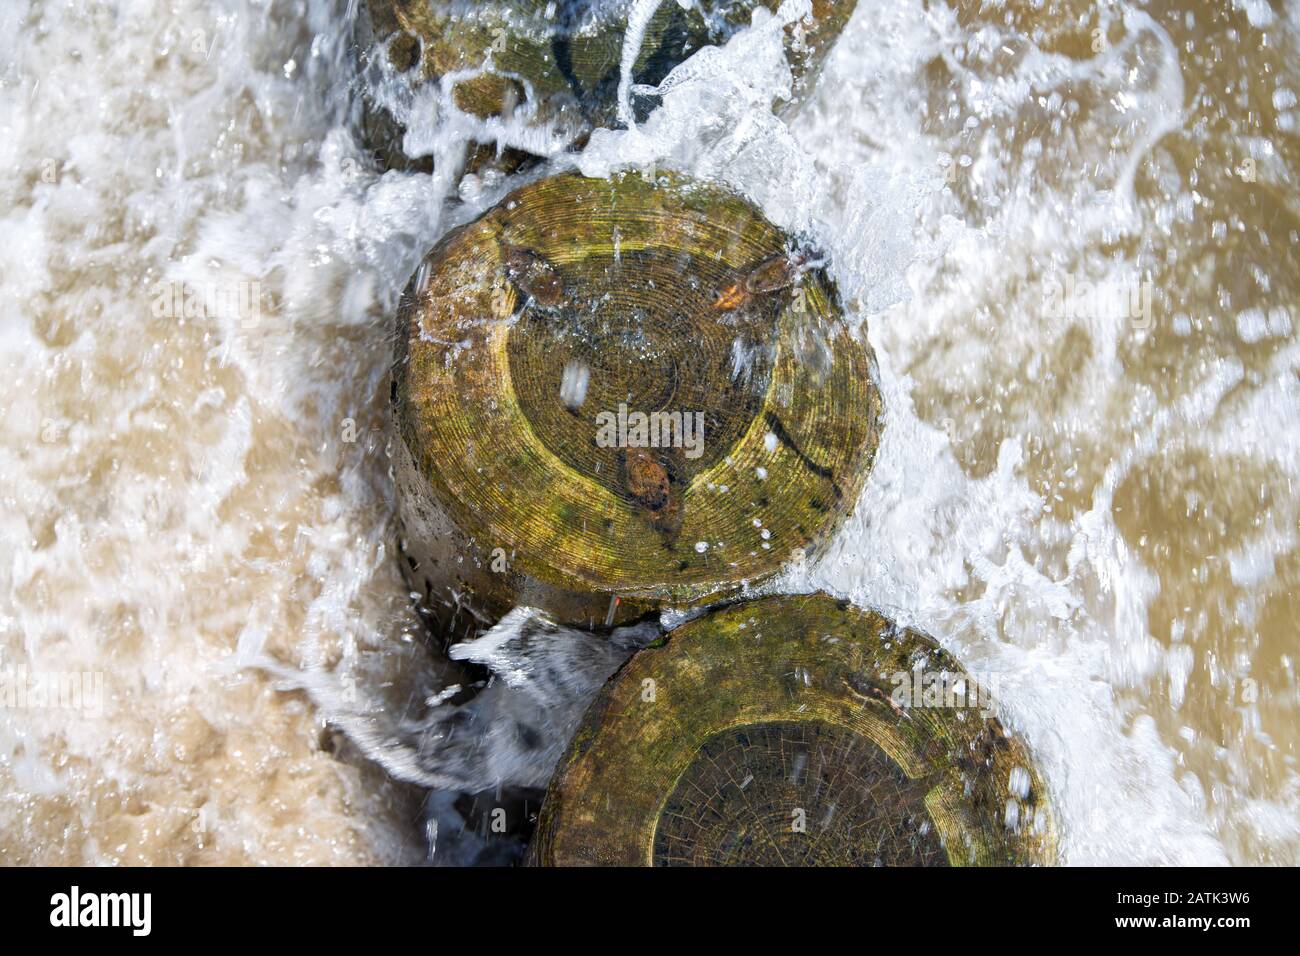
(1096, 510)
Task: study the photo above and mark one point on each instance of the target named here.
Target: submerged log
(793, 731)
(616, 394)
(560, 62)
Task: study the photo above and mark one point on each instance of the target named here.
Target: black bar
(931, 908)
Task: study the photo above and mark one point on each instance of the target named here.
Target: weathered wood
(559, 62)
(526, 334)
(793, 731)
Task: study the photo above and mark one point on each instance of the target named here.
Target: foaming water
(181, 494)
(1070, 244)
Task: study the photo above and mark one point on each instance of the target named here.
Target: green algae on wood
(530, 341)
(561, 61)
(793, 730)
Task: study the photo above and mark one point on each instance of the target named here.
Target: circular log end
(794, 730)
(634, 387)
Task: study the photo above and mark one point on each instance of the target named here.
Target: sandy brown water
(1091, 501)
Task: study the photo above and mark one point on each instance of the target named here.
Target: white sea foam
(198, 507)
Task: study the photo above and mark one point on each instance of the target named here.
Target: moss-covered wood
(560, 61)
(577, 306)
(793, 730)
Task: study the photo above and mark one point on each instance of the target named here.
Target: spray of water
(1089, 500)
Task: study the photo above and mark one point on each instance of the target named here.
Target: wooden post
(613, 395)
(793, 730)
(561, 62)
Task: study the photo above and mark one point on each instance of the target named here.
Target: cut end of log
(570, 394)
(794, 731)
